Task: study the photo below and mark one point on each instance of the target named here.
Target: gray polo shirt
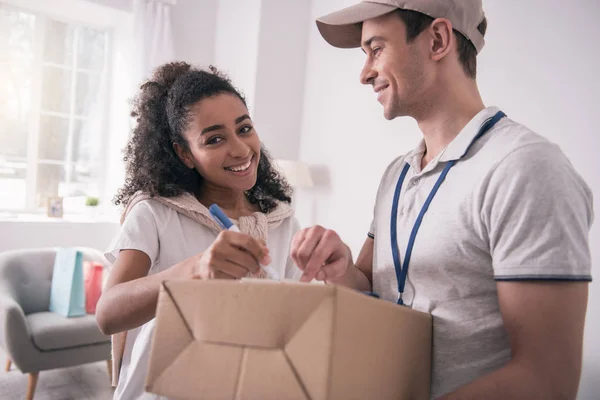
(512, 209)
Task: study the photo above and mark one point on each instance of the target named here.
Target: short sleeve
(371, 232)
(383, 185)
(538, 213)
(138, 232)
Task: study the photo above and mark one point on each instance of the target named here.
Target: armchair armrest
(14, 332)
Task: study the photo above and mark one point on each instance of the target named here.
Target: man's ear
(441, 36)
(184, 155)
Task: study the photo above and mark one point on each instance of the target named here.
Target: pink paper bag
(93, 286)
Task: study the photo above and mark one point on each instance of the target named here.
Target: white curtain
(153, 36)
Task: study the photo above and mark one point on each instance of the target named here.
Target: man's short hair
(417, 22)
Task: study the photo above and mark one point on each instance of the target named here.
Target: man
(484, 225)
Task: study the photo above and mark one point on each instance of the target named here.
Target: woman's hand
(233, 255)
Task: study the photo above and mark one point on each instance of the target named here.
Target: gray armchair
(34, 338)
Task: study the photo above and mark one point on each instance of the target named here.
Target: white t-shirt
(513, 208)
(168, 237)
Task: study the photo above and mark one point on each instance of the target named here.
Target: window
(53, 91)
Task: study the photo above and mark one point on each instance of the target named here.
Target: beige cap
(343, 28)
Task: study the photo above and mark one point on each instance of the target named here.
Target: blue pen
(225, 223)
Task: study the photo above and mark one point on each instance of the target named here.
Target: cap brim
(343, 28)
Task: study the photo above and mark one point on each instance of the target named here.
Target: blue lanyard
(402, 270)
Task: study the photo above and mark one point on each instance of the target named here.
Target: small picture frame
(55, 207)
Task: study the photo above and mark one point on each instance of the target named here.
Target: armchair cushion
(50, 331)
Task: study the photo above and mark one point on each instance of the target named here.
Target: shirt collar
(461, 142)
(413, 158)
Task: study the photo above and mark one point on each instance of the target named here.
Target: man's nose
(368, 74)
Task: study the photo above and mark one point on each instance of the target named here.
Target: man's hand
(320, 254)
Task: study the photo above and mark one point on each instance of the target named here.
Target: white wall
(124, 5)
(540, 65)
(194, 31)
(280, 74)
(236, 46)
(34, 234)
(194, 25)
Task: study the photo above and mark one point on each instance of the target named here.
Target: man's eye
(376, 51)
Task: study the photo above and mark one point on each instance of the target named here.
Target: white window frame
(119, 25)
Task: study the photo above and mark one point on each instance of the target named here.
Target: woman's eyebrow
(241, 118)
(221, 126)
(212, 128)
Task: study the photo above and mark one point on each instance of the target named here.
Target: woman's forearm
(131, 304)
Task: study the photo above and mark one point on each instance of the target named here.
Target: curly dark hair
(162, 111)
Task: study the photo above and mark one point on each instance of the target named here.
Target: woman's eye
(214, 140)
(245, 128)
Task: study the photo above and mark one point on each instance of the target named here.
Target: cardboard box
(285, 341)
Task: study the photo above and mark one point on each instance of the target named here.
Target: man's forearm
(514, 381)
(354, 279)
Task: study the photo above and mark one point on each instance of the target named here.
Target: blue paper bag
(67, 294)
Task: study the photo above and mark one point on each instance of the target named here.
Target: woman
(194, 145)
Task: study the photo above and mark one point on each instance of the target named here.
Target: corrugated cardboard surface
(251, 340)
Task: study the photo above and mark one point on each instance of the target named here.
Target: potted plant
(91, 201)
(91, 204)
